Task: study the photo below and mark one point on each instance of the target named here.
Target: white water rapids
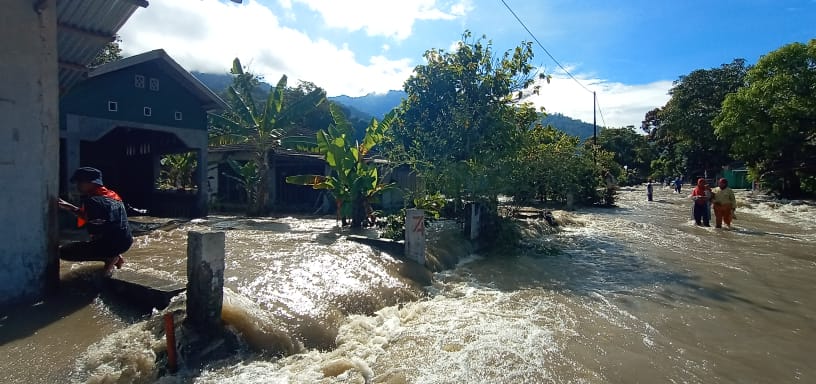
(632, 294)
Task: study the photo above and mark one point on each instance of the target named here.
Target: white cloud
(621, 104)
(389, 18)
(207, 35)
(462, 8)
(454, 46)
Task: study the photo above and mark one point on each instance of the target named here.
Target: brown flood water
(633, 294)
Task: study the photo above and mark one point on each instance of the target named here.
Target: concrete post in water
(415, 235)
(202, 195)
(475, 220)
(205, 279)
(570, 201)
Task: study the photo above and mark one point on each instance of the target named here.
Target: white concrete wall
(29, 150)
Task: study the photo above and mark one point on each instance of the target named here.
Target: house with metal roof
(125, 117)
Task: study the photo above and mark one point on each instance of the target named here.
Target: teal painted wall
(737, 179)
(90, 98)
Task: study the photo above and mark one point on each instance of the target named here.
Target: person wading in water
(104, 216)
(725, 203)
(700, 197)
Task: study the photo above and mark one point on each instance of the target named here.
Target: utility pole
(594, 128)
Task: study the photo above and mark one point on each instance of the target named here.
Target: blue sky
(628, 51)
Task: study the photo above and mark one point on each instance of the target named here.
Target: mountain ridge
(374, 105)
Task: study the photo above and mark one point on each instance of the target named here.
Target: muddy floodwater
(624, 295)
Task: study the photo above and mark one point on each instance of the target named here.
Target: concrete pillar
(570, 201)
(72, 154)
(475, 221)
(415, 235)
(200, 210)
(29, 150)
(157, 168)
(273, 181)
(205, 279)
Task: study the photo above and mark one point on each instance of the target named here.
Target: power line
(542, 46)
(597, 104)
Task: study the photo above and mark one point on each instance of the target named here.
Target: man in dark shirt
(103, 214)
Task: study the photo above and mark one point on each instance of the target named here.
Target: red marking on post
(420, 224)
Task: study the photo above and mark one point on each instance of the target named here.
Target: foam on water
(467, 333)
(618, 295)
(130, 355)
(257, 327)
(797, 212)
(296, 282)
(125, 356)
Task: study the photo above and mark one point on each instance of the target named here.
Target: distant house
(225, 190)
(128, 114)
(282, 195)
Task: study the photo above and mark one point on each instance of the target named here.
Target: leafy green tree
(354, 181)
(628, 149)
(771, 122)
(552, 164)
(110, 53)
(459, 124)
(682, 130)
(667, 162)
(264, 127)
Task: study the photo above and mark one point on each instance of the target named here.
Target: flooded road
(632, 294)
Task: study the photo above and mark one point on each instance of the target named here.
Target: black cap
(88, 175)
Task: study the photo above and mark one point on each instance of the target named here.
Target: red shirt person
(700, 197)
(104, 216)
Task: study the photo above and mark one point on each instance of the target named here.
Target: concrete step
(143, 289)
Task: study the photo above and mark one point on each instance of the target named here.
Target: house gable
(126, 95)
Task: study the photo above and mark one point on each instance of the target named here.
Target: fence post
(205, 279)
(415, 235)
(475, 220)
(570, 201)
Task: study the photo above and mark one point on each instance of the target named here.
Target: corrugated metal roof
(84, 27)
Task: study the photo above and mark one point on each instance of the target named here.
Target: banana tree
(264, 127)
(354, 182)
(247, 176)
(177, 170)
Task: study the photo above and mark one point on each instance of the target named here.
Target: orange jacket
(99, 191)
